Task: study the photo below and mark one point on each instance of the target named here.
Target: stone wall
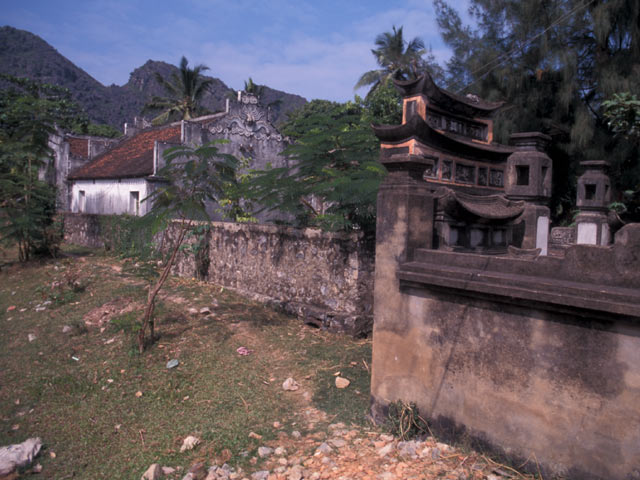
(324, 278)
(83, 229)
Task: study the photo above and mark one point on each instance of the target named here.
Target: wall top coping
(550, 283)
(282, 229)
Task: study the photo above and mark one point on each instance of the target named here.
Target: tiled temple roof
(470, 104)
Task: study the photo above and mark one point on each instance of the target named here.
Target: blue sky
(317, 49)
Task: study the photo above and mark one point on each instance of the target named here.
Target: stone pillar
(528, 178)
(405, 210)
(594, 196)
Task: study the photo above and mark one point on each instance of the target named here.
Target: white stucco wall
(111, 196)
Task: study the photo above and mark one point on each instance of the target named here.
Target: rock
(31, 337)
(197, 470)
(189, 443)
(295, 473)
(342, 382)
(260, 475)
(283, 461)
(386, 438)
(18, 455)
(154, 472)
(212, 475)
(296, 434)
(425, 452)
(386, 476)
(205, 311)
(384, 451)
(37, 468)
(168, 470)
(324, 448)
(290, 385)
(277, 424)
(255, 435)
(435, 453)
(337, 442)
(193, 311)
(337, 426)
(444, 447)
(264, 452)
(407, 449)
(172, 363)
(279, 451)
(67, 329)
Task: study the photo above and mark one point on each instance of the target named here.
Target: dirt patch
(104, 313)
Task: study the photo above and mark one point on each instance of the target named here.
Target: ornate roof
(487, 207)
(469, 105)
(417, 128)
(132, 157)
(246, 118)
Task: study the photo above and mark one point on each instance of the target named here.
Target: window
(82, 201)
(522, 175)
(590, 191)
(134, 203)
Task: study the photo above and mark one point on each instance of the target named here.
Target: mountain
(24, 54)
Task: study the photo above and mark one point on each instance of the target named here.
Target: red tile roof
(132, 157)
(78, 147)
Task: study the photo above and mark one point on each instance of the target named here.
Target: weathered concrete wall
(527, 382)
(325, 278)
(536, 359)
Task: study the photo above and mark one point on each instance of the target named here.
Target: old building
(118, 180)
(70, 152)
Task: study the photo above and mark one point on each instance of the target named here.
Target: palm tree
(398, 59)
(253, 88)
(185, 89)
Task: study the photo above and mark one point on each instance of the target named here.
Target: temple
(504, 335)
(487, 196)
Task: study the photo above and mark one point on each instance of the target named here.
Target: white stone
(189, 443)
(290, 385)
(154, 472)
(587, 233)
(542, 234)
(342, 382)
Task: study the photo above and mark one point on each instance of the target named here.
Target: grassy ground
(103, 411)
